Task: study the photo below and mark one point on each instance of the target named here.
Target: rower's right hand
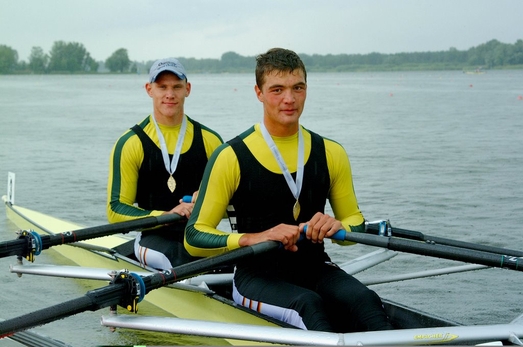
(288, 235)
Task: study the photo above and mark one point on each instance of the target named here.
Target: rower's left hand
(320, 226)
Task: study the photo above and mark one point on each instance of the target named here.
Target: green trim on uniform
(198, 239)
(116, 184)
(210, 131)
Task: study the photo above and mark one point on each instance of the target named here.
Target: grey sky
(151, 29)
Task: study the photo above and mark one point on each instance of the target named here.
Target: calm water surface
(438, 152)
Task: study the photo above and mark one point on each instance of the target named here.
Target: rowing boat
(202, 307)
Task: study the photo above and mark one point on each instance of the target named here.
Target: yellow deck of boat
(172, 301)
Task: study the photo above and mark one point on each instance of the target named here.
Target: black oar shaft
(202, 265)
(12, 247)
(438, 251)
(108, 229)
(19, 246)
(416, 235)
(478, 247)
(92, 301)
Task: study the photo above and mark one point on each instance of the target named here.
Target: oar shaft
(19, 246)
(50, 314)
(205, 264)
(416, 235)
(12, 247)
(110, 229)
(435, 250)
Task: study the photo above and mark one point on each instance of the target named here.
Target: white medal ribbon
(295, 187)
(171, 167)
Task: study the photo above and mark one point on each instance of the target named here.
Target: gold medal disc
(296, 210)
(171, 183)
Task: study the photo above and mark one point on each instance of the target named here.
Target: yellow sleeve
(211, 141)
(342, 197)
(219, 182)
(125, 160)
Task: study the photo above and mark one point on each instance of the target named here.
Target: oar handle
(339, 235)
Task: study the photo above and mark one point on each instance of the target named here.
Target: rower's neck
(282, 130)
(169, 120)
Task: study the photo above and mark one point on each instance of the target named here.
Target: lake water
(438, 152)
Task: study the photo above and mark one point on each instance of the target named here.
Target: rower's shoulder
(329, 143)
(211, 132)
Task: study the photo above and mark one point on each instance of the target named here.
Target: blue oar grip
(339, 235)
(187, 198)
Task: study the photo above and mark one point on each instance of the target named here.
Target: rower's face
(283, 96)
(168, 93)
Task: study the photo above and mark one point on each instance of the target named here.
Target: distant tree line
(64, 58)
(73, 57)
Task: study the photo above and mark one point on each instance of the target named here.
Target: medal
(296, 210)
(171, 183)
(171, 166)
(295, 187)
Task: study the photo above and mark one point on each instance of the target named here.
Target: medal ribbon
(295, 187)
(171, 167)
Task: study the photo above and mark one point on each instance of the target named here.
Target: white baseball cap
(167, 64)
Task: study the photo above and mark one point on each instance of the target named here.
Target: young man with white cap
(157, 162)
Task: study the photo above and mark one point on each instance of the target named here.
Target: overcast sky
(152, 29)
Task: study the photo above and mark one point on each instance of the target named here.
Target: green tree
(8, 59)
(232, 61)
(487, 54)
(118, 61)
(90, 64)
(374, 58)
(70, 57)
(38, 60)
(516, 53)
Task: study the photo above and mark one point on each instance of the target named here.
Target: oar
(29, 338)
(128, 289)
(30, 243)
(374, 228)
(433, 250)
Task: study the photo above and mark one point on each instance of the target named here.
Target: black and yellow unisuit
(302, 288)
(137, 184)
(264, 202)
